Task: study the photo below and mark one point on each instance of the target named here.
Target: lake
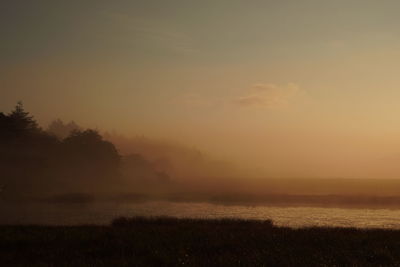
(103, 213)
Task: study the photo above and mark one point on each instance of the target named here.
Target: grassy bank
(186, 242)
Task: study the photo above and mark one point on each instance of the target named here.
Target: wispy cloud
(154, 31)
(268, 95)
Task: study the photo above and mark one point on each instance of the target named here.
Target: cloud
(268, 95)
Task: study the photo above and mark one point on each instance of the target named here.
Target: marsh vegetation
(196, 242)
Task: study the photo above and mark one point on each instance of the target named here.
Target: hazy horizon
(279, 89)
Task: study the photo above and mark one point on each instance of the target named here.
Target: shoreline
(234, 199)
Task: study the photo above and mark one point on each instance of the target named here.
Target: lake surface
(103, 213)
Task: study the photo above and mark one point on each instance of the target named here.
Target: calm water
(284, 216)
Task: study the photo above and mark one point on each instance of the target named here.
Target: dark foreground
(185, 242)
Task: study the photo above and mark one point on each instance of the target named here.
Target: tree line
(63, 158)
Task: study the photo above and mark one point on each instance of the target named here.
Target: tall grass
(196, 242)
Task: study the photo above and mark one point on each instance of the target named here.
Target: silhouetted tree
(22, 122)
(86, 155)
(5, 128)
(33, 161)
(62, 130)
(25, 150)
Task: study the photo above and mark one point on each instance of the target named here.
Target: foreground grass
(189, 242)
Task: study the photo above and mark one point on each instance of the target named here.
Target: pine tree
(22, 121)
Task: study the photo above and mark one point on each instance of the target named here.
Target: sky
(288, 88)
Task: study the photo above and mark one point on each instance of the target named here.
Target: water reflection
(103, 213)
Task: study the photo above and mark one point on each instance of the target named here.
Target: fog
(199, 100)
(67, 163)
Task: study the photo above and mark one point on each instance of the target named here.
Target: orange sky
(288, 89)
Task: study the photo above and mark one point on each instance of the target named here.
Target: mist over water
(66, 174)
(104, 213)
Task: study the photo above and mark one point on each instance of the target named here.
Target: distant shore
(279, 200)
(196, 242)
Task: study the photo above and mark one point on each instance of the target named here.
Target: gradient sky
(292, 88)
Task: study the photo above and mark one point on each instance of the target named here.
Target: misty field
(194, 242)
